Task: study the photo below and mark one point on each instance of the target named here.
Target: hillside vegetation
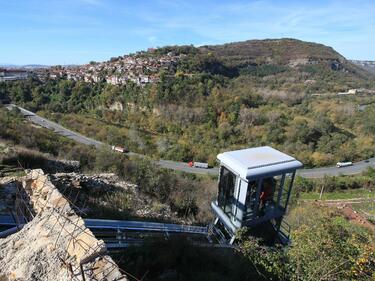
(280, 51)
(258, 92)
(24, 146)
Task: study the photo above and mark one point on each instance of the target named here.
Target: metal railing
(144, 226)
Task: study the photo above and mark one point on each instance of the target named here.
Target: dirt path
(345, 207)
(356, 217)
(352, 200)
(341, 201)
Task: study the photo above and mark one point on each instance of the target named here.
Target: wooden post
(321, 192)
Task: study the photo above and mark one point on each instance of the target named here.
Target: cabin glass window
(286, 190)
(227, 186)
(257, 203)
(250, 198)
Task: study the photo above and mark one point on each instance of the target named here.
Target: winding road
(356, 168)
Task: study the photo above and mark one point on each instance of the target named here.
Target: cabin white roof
(258, 161)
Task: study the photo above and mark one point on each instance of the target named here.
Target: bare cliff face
(54, 244)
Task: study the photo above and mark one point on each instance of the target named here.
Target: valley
(203, 101)
(356, 168)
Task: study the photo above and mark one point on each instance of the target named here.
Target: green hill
(280, 52)
(277, 51)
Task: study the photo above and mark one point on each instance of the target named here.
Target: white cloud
(92, 2)
(329, 22)
(152, 39)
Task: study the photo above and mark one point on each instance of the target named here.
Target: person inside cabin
(266, 193)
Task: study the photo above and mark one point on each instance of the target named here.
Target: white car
(344, 164)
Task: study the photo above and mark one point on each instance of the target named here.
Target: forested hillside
(260, 92)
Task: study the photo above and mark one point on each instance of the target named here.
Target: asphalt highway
(36, 119)
(356, 168)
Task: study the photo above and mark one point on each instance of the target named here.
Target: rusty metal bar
(82, 272)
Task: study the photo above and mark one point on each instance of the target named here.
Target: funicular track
(121, 234)
(118, 234)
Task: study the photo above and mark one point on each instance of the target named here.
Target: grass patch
(368, 208)
(345, 194)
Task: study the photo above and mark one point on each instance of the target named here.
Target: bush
(330, 184)
(262, 70)
(324, 247)
(167, 187)
(271, 261)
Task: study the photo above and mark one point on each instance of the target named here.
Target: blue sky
(77, 31)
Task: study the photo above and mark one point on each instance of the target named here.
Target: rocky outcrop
(55, 244)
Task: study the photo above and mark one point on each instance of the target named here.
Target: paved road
(36, 119)
(357, 168)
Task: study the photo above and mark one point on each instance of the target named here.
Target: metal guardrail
(144, 226)
(285, 227)
(215, 232)
(8, 220)
(284, 232)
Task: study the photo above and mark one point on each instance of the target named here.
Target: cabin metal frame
(254, 187)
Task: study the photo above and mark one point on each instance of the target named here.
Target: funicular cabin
(254, 189)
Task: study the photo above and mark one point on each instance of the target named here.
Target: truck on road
(198, 165)
(119, 149)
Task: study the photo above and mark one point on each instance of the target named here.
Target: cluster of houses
(141, 68)
(13, 74)
(364, 63)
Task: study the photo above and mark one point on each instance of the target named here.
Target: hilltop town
(140, 68)
(366, 64)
